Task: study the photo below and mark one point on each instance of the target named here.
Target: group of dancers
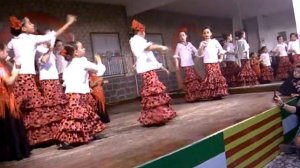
(62, 104)
(244, 69)
(65, 104)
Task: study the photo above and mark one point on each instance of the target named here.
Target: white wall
(251, 27)
(269, 26)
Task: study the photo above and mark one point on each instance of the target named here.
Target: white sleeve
(138, 46)
(44, 38)
(99, 68)
(9, 46)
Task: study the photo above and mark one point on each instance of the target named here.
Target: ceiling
(211, 8)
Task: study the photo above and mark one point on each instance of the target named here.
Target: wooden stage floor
(128, 144)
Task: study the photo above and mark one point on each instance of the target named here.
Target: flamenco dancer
(214, 85)
(40, 123)
(156, 108)
(184, 57)
(247, 76)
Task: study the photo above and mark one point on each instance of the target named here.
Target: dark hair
(2, 46)
(294, 34)
(279, 37)
(70, 49)
(225, 35)
(57, 41)
(206, 27)
(261, 50)
(251, 54)
(239, 34)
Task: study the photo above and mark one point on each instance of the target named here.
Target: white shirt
(185, 53)
(230, 52)
(242, 49)
(265, 59)
(76, 77)
(47, 70)
(212, 50)
(294, 45)
(281, 49)
(24, 47)
(145, 60)
(61, 63)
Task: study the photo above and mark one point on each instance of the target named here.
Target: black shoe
(99, 136)
(65, 146)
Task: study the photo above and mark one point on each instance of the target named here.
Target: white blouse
(265, 59)
(185, 53)
(212, 51)
(24, 47)
(145, 60)
(242, 48)
(76, 76)
(281, 49)
(294, 45)
(47, 70)
(230, 54)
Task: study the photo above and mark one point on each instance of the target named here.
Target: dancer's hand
(71, 19)
(167, 71)
(164, 49)
(97, 58)
(295, 95)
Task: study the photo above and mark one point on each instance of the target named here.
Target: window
(157, 39)
(107, 45)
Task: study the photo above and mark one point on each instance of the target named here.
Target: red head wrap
(15, 23)
(63, 52)
(137, 26)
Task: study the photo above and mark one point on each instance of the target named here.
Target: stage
(128, 144)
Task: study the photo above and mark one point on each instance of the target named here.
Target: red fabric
(255, 65)
(247, 76)
(296, 59)
(53, 92)
(41, 121)
(267, 73)
(135, 25)
(214, 84)
(15, 23)
(284, 67)
(192, 83)
(156, 108)
(80, 122)
(7, 98)
(230, 73)
(97, 90)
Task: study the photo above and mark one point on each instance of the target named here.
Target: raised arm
(70, 20)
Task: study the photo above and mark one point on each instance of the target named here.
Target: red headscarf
(137, 26)
(63, 52)
(15, 23)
